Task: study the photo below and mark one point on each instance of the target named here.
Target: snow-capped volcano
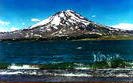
(63, 25)
(67, 18)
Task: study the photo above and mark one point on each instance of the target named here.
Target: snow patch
(42, 22)
(56, 20)
(62, 14)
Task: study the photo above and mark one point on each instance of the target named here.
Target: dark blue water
(42, 52)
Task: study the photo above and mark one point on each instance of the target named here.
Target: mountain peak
(68, 17)
(63, 13)
(62, 25)
(66, 11)
(70, 11)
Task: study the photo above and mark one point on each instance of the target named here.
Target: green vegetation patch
(112, 37)
(114, 63)
(4, 65)
(58, 66)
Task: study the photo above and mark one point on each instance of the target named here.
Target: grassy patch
(114, 63)
(58, 66)
(114, 37)
(4, 65)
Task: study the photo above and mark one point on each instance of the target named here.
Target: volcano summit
(64, 25)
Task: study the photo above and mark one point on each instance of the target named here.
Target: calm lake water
(43, 52)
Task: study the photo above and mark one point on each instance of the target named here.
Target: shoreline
(66, 82)
(60, 76)
(115, 37)
(77, 80)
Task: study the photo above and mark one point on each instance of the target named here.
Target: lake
(42, 52)
(80, 58)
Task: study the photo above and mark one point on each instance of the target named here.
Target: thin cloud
(124, 26)
(3, 26)
(23, 23)
(93, 16)
(35, 20)
(4, 22)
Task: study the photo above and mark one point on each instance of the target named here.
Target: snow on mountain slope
(64, 17)
(42, 22)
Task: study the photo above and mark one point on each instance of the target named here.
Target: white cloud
(93, 16)
(35, 20)
(124, 26)
(7, 29)
(2, 30)
(13, 29)
(4, 22)
(5, 26)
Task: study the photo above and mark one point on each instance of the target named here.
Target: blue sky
(19, 14)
